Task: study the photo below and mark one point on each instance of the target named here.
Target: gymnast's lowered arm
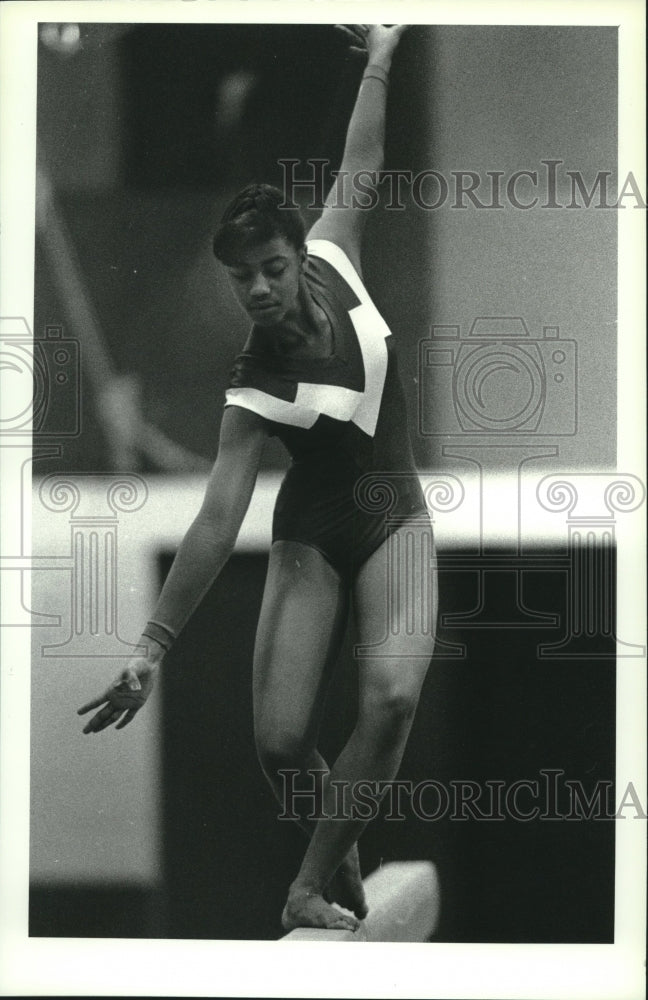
(205, 549)
(345, 209)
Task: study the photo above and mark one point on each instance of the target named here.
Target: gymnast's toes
(308, 909)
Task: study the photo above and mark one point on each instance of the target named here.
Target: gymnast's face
(265, 280)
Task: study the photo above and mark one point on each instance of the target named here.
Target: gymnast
(319, 371)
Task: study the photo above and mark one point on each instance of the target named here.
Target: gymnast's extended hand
(372, 40)
(203, 552)
(123, 698)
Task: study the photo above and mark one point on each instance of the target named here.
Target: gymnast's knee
(390, 710)
(280, 748)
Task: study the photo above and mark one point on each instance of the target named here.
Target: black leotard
(342, 418)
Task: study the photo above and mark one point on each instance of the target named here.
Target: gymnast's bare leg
(390, 684)
(302, 621)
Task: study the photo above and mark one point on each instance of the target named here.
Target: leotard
(342, 418)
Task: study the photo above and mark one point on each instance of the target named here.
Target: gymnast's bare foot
(306, 908)
(346, 886)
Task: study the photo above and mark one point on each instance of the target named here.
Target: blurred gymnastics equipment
(69, 38)
(404, 903)
(130, 438)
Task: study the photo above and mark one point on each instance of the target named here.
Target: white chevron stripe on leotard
(334, 400)
(337, 258)
(339, 402)
(371, 331)
(271, 407)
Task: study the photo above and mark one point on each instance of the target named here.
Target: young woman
(350, 524)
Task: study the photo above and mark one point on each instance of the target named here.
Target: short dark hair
(257, 214)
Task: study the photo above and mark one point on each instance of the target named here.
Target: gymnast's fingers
(129, 716)
(112, 718)
(95, 703)
(100, 720)
(352, 34)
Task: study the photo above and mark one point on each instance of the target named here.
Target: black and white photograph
(322, 445)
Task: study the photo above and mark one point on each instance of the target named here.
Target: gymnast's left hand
(372, 40)
(121, 701)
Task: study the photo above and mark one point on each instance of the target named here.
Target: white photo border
(112, 967)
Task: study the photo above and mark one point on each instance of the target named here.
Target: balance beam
(403, 899)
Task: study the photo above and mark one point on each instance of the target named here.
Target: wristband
(162, 634)
(375, 72)
(370, 76)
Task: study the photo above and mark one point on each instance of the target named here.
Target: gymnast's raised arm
(202, 554)
(345, 210)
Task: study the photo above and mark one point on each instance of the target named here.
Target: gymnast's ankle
(306, 887)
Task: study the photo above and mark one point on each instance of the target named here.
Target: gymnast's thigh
(300, 630)
(395, 603)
